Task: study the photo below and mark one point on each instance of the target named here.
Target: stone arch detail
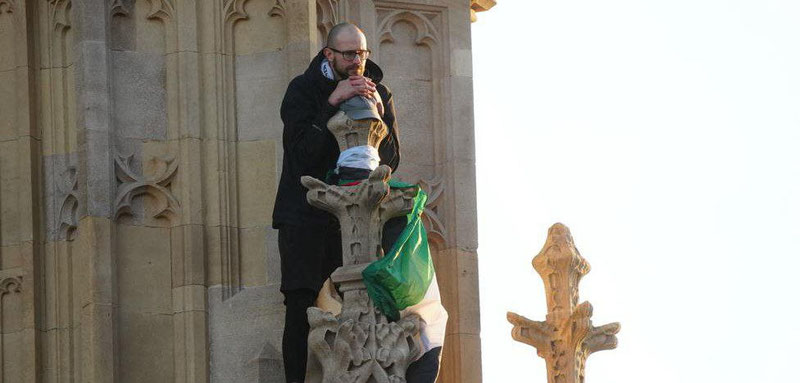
(426, 31)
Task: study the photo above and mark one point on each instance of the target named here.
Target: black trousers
(426, 368)
(309, 254)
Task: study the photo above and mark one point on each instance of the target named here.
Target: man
(308, 238)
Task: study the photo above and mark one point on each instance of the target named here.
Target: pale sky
(666, 135)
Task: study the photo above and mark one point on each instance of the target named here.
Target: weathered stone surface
(257, 77)
(245, 335)
(567, 338)
(257, 181)
(139, 95)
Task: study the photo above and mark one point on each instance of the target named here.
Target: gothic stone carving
(11, 285)
(7, 6)
(437, 233)
(362, 210)
(567, 338)
(133, 185)
(68, 203)
(360, 345)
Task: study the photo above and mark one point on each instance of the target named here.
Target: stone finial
(567, 337)
(350, 133)
(479, 6)
(362, 210)
(360, 344)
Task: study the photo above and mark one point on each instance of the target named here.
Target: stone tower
(140, 147)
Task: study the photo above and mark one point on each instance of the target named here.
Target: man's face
(350, 40)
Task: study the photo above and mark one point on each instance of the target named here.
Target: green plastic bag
(401, 278)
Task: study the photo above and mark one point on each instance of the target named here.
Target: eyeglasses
(351, 55)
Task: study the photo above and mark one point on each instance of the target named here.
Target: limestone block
(91, 27)
(13, 368)
(260, 84)
(191, 346)
(257, 183)
(213, 239)
(461, 63)
(189, 298)
(29, 188)
(245, 335)
(139, 93)
(143, 269)
(9, 192)
(461, 359)
(457, 273)
(212, 170)
(97, 343)
(254, 257)
(97, 163)
(183, 95)
(224, 258)
(8, 107)
(464, 206)
(264, 18)
(8, 38)
(462, 136)
(147, 347)
(188, 249)
(188, 183)
(11, 256)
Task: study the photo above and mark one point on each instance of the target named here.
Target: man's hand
(353, 86)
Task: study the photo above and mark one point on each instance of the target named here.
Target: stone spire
(360, 344)
(567, 337)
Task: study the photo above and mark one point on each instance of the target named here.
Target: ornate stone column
(360, 344)
(567, 337)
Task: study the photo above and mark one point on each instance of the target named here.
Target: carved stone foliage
(7, 6)
(156, 186)
(431, 217)
(60, 15)
(10, 285)
(161, 9)
(119, 8)
(360, 345)
(327, 17)
(67, 186)
(350, 133)
(567, 338)
(426, 31)
(234, 10)
(362, 211)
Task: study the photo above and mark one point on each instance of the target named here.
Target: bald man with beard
(309, 239)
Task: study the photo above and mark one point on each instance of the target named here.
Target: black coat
(310, 149)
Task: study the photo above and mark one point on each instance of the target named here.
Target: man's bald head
(340, 30)
(346, 50)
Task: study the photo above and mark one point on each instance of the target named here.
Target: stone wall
(140, 148)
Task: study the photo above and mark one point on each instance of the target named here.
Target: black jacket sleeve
(305, 134)
(389, 149)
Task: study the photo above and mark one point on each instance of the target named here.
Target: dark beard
(344, 74)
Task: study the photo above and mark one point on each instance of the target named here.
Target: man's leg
(424, 369)
(295, 333)
(302, 250)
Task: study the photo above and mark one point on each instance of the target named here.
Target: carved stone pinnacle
(350, 133)
(567, 337)
(359, 345)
